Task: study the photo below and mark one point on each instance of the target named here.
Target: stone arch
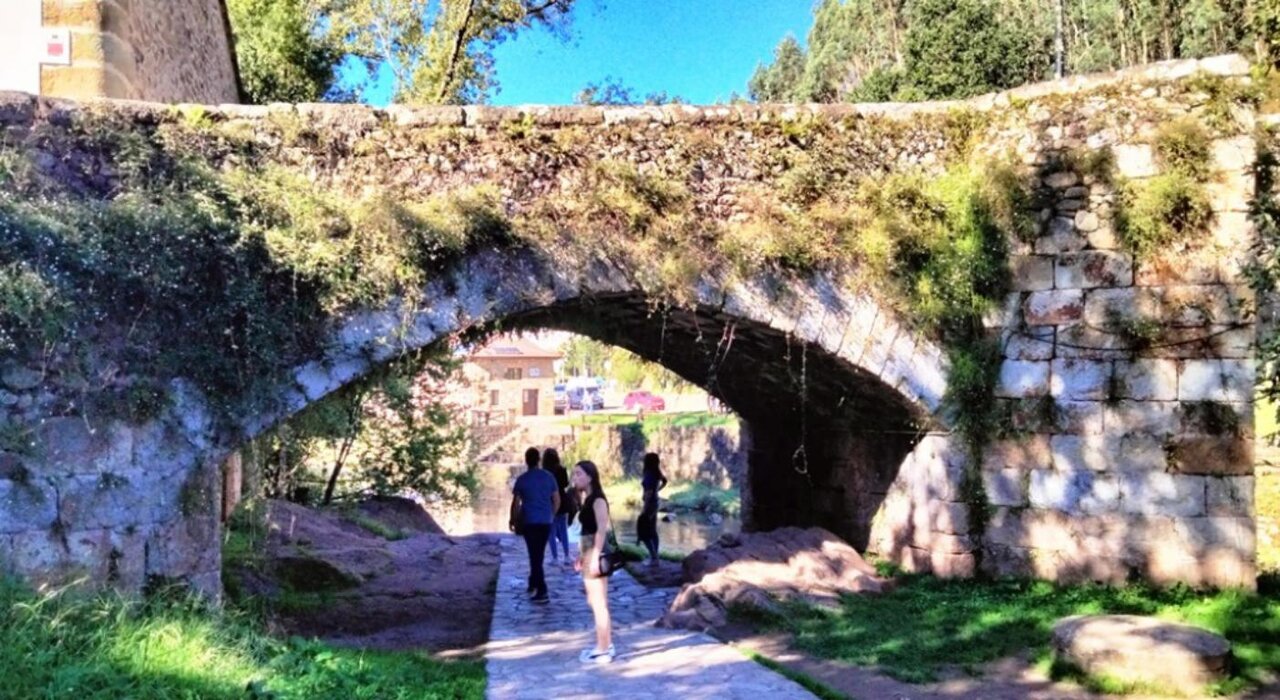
(836, 391)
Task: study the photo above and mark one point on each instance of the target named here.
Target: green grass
(927, 624)
(809, 683)
(683, 495)
(652, 421)
(105, 648)
(637, 553)
(374, 525)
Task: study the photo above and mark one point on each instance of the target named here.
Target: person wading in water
(594, 518)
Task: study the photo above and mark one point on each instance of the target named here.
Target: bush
(1166, 209)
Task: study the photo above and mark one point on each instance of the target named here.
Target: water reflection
(684, 532)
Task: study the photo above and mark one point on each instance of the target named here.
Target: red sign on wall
(56, 47)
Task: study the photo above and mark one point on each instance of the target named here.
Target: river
(677, 532)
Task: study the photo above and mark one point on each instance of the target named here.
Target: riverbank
(57, 645)
(679, 497)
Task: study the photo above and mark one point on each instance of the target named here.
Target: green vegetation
(637, 553)
(105, 648)
(809, 683)
(927, 623)
(657, 421)
(1172, 207)
(681, 495)
(933, 49)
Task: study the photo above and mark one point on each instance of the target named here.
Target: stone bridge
(1120, 452)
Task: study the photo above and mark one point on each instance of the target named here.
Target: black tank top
(588, 514)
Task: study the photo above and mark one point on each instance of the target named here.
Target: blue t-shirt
(535, 489)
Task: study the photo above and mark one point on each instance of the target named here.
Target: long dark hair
(589, 468)
(651, 466)
(550, 459)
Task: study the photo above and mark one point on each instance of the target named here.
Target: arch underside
(826, 437)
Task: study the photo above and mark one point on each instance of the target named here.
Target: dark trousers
(535, 540)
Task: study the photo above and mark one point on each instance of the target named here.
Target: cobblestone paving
(533, 649)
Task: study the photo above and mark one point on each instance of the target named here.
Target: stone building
(511, 378)
(153, 50)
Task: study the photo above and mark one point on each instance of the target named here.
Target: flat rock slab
(1142, 649)
(533, 649)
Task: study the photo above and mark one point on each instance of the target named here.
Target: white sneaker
(591, 656)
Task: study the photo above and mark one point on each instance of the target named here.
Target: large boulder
(1136, 649)
(756, 570)
(404, 515)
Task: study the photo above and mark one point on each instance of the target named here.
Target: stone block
(72, 445)
(1233, 154)
(1090, 269)
(1230, 191)
(1157, 493)
(1103, 307)
(1202, 305)
(1079, 418)
(1231, 229)
(952, 565)
(949, 518)
(1216, 380)
(1054, 307)
(1230, 496)
(1062, 237)
(40, 556)
(1147, 380)
(1113, 453)
(29, 504)
(1005, 487)
(1124, 646)
(1031, 273)
(1031, 452)
(1020, 378)
(1216, 455)
(1074, 492)
(1080, 340)
(1029, 343)
(115, 499)
(1062, 179)
(1003, 561)
(19, 378)
(1086, 222)
(1134, 160)
(1176, 268)
(1104, 237)
(1080, 379)
(1153, 417)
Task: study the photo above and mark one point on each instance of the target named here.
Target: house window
(493, 397)
(535, 372)
(513, 373)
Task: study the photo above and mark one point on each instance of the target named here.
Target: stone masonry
(1122, 458)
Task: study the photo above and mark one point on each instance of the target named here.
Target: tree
(438, 51)
(932, 49)
(779, 81)
(282, 57)
(612, 91)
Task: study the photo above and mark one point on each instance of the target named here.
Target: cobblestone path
(533, 649)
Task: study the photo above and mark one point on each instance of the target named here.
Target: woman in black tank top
(595, 529)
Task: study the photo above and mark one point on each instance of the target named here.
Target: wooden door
(530, 402)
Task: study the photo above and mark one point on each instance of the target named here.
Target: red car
(644, 401)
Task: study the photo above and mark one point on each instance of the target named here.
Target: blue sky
(700, 50)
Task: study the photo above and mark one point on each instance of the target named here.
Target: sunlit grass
(927, 624)
(107, 648)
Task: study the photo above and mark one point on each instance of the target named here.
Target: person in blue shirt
(535, 500)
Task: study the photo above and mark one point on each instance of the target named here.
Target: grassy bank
(105, 648)
(928, 624)
(655, 421)
(683, 495)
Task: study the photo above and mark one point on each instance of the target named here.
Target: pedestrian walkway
(533, 648)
